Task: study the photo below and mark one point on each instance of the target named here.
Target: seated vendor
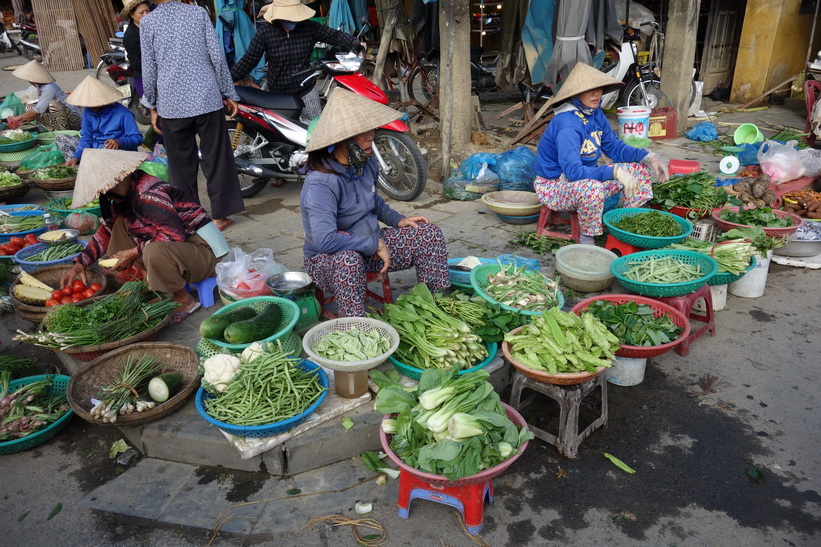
(146, 222)
(341, 210)
(568, 177)
(51, 110)
(106, 122)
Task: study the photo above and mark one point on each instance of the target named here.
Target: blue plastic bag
(515, 169)
(704, 132)
(471, 166)
(749, 156)
(516, 260)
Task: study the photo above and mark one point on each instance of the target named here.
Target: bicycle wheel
(423, 83)
(406, 172)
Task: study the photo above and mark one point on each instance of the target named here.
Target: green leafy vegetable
(9, 179)
(352, 345)
(487, 319)
(650, 223)
(620, 464)
(521, 288)
(117, 447)
(54, 172)
(732, 255)
(634, 324)
(55, 511)
(762, 216)
(347, 423)
(755, 235)
(695, 190)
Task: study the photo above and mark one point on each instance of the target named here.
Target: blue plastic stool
(205, 290)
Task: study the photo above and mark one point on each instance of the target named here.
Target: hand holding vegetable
(77, 270)
(628, 181)
(125, 258)
(658, 165)
(413, 222)
(72, 162)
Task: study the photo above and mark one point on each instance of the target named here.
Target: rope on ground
(339, 520)
(475, 538)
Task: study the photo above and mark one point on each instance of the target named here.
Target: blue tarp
(340, 17)
(235, 31)
(537, 37)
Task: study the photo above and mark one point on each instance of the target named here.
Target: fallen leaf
(560, 473)
(347, 423)
(24, 515)
(117, 447)
(57, 509)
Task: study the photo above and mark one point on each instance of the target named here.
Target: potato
(769, 197)
(814, 214)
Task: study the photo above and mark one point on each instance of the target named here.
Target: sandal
(223, 223)
(180, 316)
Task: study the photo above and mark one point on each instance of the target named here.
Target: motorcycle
(6, 44)
(642, 87)
(30, 43)
(114, 63)
(269, 140)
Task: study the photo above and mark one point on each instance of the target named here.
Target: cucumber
(163, 386)
(214, 326)
(266, 324)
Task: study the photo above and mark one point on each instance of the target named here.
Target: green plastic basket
(59, 384)
(707, 264)
(478, 280)
(57, 207)
(290, 315)
(645, 242)
(724, 277)
(416, 373)
(291, 345)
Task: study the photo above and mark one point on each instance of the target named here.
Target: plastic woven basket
(290, 315)
(458, 276)
(725, 226)
(660, 309)
(478, 280)
(7, 236)
(708, 265)
(441, 480)
(291, 346)
(645, 242)
(724, 277)
(260, 431)
(58, 385)
(30, 208)
(316, 333)
(59, 209)
(560, 379)
(416, 373)
(28, 266)
(18, 146)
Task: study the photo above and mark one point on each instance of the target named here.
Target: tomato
(14, 248)
(65, 300)
(57, 294)
(4, 251)
(67, 291)
(51, 302)
(76, 297)
(78, 286)
(7, 248)
(17, 242)
(95, 286)
(88, 293)
(31, 239)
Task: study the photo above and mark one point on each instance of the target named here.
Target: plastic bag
(471, 166)
(11, 106)
(486, 181)
(749, 154)
(86, 223)
(781, 161)
(243, 275)
(811, 158)
(518, 261)
(515, 169)
(44, 156)
(704, 132)
(454, 187)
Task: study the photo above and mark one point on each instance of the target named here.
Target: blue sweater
(332, 203)
(573, 143)
(112, 122)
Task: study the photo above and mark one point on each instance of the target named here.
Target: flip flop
(223, 225)
(180, 316)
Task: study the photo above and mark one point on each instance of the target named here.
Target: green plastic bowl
(416, 373)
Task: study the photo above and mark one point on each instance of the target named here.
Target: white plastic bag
(243, 275)
(811, 158)
(781, 161)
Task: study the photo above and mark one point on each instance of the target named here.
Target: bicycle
(420, 79)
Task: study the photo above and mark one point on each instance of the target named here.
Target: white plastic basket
(366, 324)
(705, 230)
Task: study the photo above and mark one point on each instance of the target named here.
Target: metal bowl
(288, 283)
(69, 235)
(800, 247)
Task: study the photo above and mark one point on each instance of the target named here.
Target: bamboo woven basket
(102, 371)
(89, 353)
(13, 192)
(54, 184)
(51, 276)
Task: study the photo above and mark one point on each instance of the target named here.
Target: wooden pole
(385, 44)
(454, 77)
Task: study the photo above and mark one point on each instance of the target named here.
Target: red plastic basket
(441, 480)
(659, 309)
(725, 226)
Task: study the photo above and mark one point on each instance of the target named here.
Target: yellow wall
(772, 48)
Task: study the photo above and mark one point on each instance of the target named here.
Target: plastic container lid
(586, 262)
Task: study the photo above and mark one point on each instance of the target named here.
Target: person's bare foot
(223, 223)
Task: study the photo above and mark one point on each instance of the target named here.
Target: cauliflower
(220, 370)
(252, 352)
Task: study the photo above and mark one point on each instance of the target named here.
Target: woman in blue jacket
(568, 174)
(341, 210)
(106, 122)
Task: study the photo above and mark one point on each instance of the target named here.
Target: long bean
(662, 270)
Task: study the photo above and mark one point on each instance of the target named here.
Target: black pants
(180, 139)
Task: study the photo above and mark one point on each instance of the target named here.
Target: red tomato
(57, 294)
(95, 286)
(31, 239)
(78, 286)
(4, 250)
(76, 297)
(8, 248)
(17, 241)
(65, 300)
(51, 302)
(88, 293)
(67, 291)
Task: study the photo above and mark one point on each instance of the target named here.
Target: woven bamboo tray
(54, 184)
(51, 276)
(89, 353)
(102, 371)
(16, 191)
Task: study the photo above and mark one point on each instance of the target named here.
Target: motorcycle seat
(269, 100)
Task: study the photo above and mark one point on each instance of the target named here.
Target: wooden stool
(548, 217)
(569, 399)
(386, 297)
(468, 500)
(684, 304)
(620, 247)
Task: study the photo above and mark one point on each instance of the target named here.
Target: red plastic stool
(469, 500)
(620, 247)
(684, 304)
(548, 217)
(386, 297)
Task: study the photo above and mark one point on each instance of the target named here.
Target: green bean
(662, 270)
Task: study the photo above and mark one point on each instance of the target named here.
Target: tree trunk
(454, 77)
(679, 56)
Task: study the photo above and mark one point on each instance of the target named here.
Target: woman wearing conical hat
(106, 122)
(568, 174)
(52, 110)
(341, 210)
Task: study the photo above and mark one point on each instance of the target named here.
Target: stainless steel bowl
(800, 247)
(287, 283)
(69, 236)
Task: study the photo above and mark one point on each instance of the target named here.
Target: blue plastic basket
(290, 315)
(7, 237)
(260, 431)
(59, 384)
(460, 277)
(644, 242)
(724, 277)
(708, 265)
(27, 266)
(416, 373)
(16, 208)
(478, 280)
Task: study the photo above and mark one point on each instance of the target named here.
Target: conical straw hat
(101, 170)
(93, 92)
(346, 115)
(34, 72)
(584, 78)
(128, 7)
(288, 10)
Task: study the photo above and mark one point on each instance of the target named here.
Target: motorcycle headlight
(346, 62)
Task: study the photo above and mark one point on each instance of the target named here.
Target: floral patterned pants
(586, 196)
(343, 273)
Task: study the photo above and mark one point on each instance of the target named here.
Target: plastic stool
(386, 297)
(569, 398)
(205, 290)
(620, 247)
(548, 217)
(469, 500)
(684, 304)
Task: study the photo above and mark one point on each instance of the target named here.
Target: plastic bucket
(719, 294)
(747, 133)
(753, 282)
(626, 371)
(633, 121)
(351, 385)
